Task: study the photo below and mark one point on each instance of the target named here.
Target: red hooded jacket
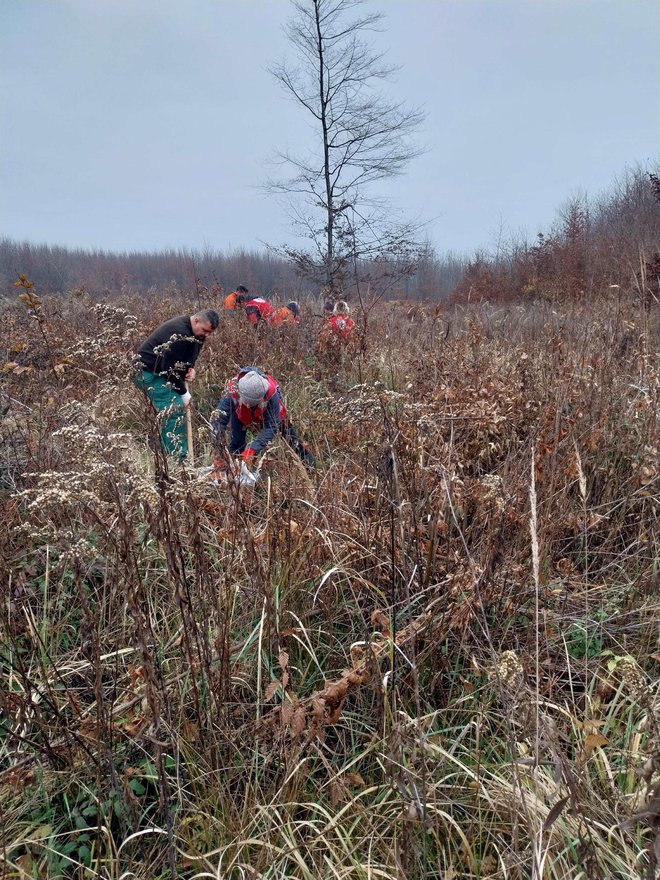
(259, 309)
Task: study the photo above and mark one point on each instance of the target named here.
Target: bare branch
(363, 137)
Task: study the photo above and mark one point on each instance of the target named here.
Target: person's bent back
(253, 401)
(237, 298)
(258, 310)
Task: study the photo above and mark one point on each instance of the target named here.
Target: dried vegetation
(435, 657)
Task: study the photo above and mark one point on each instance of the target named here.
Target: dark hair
(209, 315)
(294, 308)
(242, 289)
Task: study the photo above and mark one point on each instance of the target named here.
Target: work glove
(248, 455)
(186, 399)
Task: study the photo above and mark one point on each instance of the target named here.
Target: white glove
(246, 477)
(186, 398)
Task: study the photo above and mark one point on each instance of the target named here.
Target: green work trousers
(171, 412)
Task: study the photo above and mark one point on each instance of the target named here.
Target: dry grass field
(436, 656)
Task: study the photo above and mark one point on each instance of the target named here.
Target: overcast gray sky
(147, 124)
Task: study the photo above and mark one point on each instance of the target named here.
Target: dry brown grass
(375, 670)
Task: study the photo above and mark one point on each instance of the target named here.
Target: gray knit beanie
(252, 388)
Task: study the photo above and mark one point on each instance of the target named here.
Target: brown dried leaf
(287, 713)
(335, 794)
(27, 866)
(299, 720)
(272, 689)
(133, 727)
(355, 779)
(18, 777)
(595, 741)
(555, 813)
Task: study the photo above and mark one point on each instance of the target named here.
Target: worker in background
(328, 302)
(166, 363)
(294, 309)
(341, 324)
(288, 314)
(253, 401)
(237, 298)
(258, 310)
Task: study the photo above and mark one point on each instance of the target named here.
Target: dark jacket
(267, 416)
(171, 350)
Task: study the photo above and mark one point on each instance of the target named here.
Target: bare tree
(362, 137)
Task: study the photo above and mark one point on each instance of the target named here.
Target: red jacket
(267, 417)
(342, 325)
(245, 414)
(258, 309)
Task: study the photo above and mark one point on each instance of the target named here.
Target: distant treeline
(613, 239)
(594, 244)
(56, 269)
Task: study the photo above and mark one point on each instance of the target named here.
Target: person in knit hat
(254, 401)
